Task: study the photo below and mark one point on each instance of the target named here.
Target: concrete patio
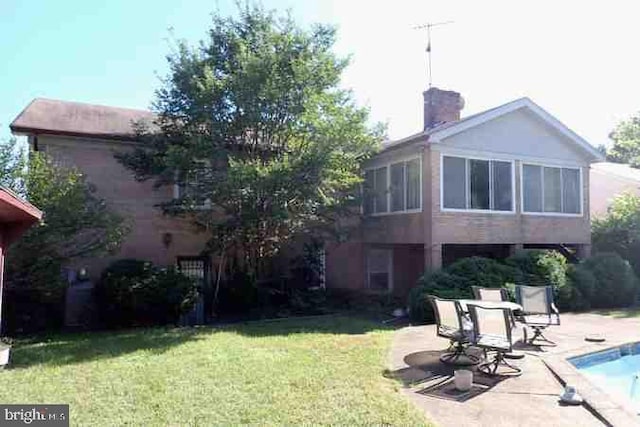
(528, 400)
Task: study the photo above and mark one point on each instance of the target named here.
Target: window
(380, 195)
(369, 191)
(379, 265)
(192, 186)
(414, 187)
(397, 187)
(393, 188)
(547, 189)
(473, 184)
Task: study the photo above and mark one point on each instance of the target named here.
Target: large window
(393, 188)
(379, 269)
(551, 190)
(473, 184)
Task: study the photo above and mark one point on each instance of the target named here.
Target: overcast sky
(578, 60)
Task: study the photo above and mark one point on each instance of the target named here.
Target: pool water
(616, 371)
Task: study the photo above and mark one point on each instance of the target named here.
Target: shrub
(539, 267)
(615, 283)
(133, 292)
(438, 283)
(619, 230)
(577, 294)
(483, 272)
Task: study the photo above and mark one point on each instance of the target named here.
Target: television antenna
(428, 26)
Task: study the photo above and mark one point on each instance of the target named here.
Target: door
(197, 268)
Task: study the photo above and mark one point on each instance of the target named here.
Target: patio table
(489, 304)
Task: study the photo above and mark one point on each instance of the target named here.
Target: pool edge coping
(609, 410)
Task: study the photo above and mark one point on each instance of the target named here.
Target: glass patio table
(489, 304)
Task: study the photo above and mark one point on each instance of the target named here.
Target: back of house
(507, 178)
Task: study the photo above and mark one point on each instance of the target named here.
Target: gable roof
(55, 117)
(438, 133)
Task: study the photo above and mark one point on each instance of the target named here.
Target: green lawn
(323, 370)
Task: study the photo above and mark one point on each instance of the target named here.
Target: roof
(440, 132)
(16, 215)
(50, 116)
(618, 170)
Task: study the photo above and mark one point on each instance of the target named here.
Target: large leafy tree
(626, 142)
(253, 118)
(75, 224)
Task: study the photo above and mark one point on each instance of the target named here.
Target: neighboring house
(609, 180)
(510, 177)
(87, 136)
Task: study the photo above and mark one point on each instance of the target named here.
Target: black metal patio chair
(490, 294)
(452, 324)
(492, 331)
(538, 312)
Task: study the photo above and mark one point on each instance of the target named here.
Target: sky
(576, 59)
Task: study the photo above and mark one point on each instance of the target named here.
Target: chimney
(441, 106)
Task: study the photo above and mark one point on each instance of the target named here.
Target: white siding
(519, 133)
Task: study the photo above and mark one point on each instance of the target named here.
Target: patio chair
(492, 331)
(490, 294)
(452, 324)
(538, 311)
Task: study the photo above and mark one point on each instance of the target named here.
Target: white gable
(518, 133)
(519, 128)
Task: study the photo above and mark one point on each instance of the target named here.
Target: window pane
(453, 182)
(532, 188)
(552, 191)
(479, 183)
(571, 190)
(502, 194)
(368, 190)
(378, 265)
(381, 190)
(413, 184)
(397, 187)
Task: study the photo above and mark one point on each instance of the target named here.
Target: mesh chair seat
(540, 319)
(493, 341)
(455, 334)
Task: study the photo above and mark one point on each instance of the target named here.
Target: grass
(322, 371)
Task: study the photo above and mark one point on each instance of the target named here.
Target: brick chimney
(441, 106)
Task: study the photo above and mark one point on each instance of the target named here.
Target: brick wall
(134, 200)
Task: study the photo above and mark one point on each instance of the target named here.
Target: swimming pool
(616, 371)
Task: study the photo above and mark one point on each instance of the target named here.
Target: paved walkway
(528, 400)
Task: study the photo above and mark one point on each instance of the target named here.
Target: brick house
(507, 178)
(608, 180)
(488, 184)
(87, 136)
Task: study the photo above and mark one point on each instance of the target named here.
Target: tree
(626, 142)
(254, 124)
(619, 230)
(75, 224)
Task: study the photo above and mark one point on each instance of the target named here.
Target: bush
(438, 283)
(537, 267)
(133, 292)
(483, 272)
(619, 230)
(577, 294)
(615, 283)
